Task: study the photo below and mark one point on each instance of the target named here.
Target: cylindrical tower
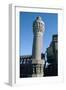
(38, 29)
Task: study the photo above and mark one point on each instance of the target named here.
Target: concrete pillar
(38, 29)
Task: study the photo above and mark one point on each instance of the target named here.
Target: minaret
(38, 29)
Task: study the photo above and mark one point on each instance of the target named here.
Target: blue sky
(26, 32)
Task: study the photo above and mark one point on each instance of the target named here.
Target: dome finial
(38, 18)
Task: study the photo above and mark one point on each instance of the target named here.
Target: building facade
(52, 57)
(26, 66)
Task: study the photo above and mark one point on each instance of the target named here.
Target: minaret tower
(38, 29)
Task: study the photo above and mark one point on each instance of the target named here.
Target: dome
(38, 25)
(38, 20)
